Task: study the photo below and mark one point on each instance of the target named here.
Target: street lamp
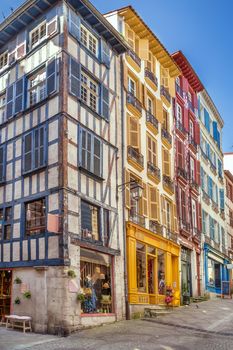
(136, 189)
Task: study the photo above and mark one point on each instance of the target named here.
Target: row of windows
(210, 125)
(38, 86)
(211, 226)
(34, 152)
(192, 217)
(211, 155)
(209, 186)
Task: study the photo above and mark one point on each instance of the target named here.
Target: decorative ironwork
(222, 214)
(153, 170)
(215, 206)
(135, 57)
(156, 227)
(151, 76)
(171, 235)
(134, 101)
(194, 185)
(168, 182)
(204, 155)
(135, 155)
(205, 197)
(192, 142)
(137, 218)
(213, 167)
(179, 90)
(182, 173)
(151, 119)
(184, 225)
(164, 92)
(191, 106)
(180, 127)
(166, 135)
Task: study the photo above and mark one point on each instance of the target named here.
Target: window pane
(89, 221)
(28, 162)
(28, 143)
(35, 217)
(7, 232)
(161, 272)
(141, 267)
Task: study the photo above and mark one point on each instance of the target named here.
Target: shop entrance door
(186, 278)
(217, 275)
(5, 292)
(151, 274)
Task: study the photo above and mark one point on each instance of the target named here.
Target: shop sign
(229, 266)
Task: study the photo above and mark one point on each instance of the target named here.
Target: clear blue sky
(202, 30)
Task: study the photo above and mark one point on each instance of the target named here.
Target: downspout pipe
(127, 313)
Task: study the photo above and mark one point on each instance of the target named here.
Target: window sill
(90, 174)
(96, 114)
(33, 171)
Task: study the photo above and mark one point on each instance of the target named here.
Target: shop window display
(161, 272)
(95, 282)
(141, 267)
(214, 275)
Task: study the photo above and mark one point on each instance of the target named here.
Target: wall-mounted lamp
(136, 189)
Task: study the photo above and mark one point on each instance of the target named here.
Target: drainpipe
(127, 314)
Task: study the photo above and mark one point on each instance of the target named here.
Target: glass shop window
(35, 217)
(96, 282)
(161, 272)
(90, 221)
(5, 223)
(141, 267)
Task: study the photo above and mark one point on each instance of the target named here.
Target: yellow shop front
(153, 267)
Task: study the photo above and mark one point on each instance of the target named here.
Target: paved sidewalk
(206, 327)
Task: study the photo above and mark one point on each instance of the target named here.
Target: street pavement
(203, 326)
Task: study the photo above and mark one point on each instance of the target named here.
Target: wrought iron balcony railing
(191, 106)
(192, 142)
(164, 92)
(166, 135)
(135, 155)
(135, 57)
(205, 197)
(180, 127)
(182, 173)
(152, 120)
(155, 227)
(215, 206)
(134, 101)
(151, 76)
(179, 90)
(136, 218)
(167, 181)
(194, 184)
(153, 170)
(171, 235)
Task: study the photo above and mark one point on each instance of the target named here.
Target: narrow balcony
(168, 184)
(152, 122)
(133, 104)
(172, 236)
(180, 127)
(166, 138)
(213, 167)
(196, 234)
(179, 90)
(222, 215)
(215, 207)
(155, 227)
(182, 173)
(204, 155)
(151, 79)
(136, 218)
(205, 197)
(184, 225)
(194, 185)
(153, 171)
(192, 143)
(191, 106)
(165, 96)
(133, 59)
(136, 157)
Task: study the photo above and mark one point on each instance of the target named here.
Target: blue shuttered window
(74, 73)
(2, 163)
(90, 153)
(105, 53)
(104, 102)
(74, 24)
(207, 120)
(210, 187)
(221, 196)
(219, 168)
(34, 144)
(51, 75)
(15, 98)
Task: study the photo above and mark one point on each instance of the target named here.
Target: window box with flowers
(169, 296)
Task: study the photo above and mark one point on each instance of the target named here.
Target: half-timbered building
(60, 138)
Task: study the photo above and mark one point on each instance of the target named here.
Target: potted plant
(17, 280)
(71, 273)
(17, 301)
(169, 296)
(27, 295)
(185, 295)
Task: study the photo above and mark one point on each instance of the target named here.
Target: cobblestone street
(205, 326)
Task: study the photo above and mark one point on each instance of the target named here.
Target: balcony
(205, 197)
(213, 167)
(204, 155)
(184, 225)
(136, 218)
(215, 207)
(153, 171)
(133, 59)
(179, 90)
(180, 127)
(133, 104)
(182, 173)
(165, 96)
(151, 79)
(196, 234)
(168, 184)
(155, 227)
(136, 158)
(191, 106)
(222, 214)
(172, 236)
(166, 138)
(194, 185)
(152, 122)
(192, 143)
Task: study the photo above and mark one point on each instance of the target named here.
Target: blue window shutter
(207, 120)
(19, 95)
(27, 152)
(218, 138)
(215, 130)
(105, 102)
(10, 101)
(74, 77)
(219, 168)
(51, 76)
(105, 53)
(2, 163)
(74, 24)
(221, 195)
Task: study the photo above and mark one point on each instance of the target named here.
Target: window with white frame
(2, 108)
(89, 91)
(179, 116)
(37, 87)
(89, 40)
(150, 105)
(194, 214)
(38, 34)
(168, 214)
(191, 129)
(132, 86)
(204, 222)
(3, 59)
(192, 169)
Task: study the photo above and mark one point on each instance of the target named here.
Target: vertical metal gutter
(127, 314)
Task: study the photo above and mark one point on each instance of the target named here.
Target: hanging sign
(229, 266)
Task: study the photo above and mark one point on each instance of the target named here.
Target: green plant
(71, 273)
(80, 297)
(17, 280)
(17, 301)
(27, 295)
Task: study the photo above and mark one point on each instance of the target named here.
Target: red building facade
(187, 174)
